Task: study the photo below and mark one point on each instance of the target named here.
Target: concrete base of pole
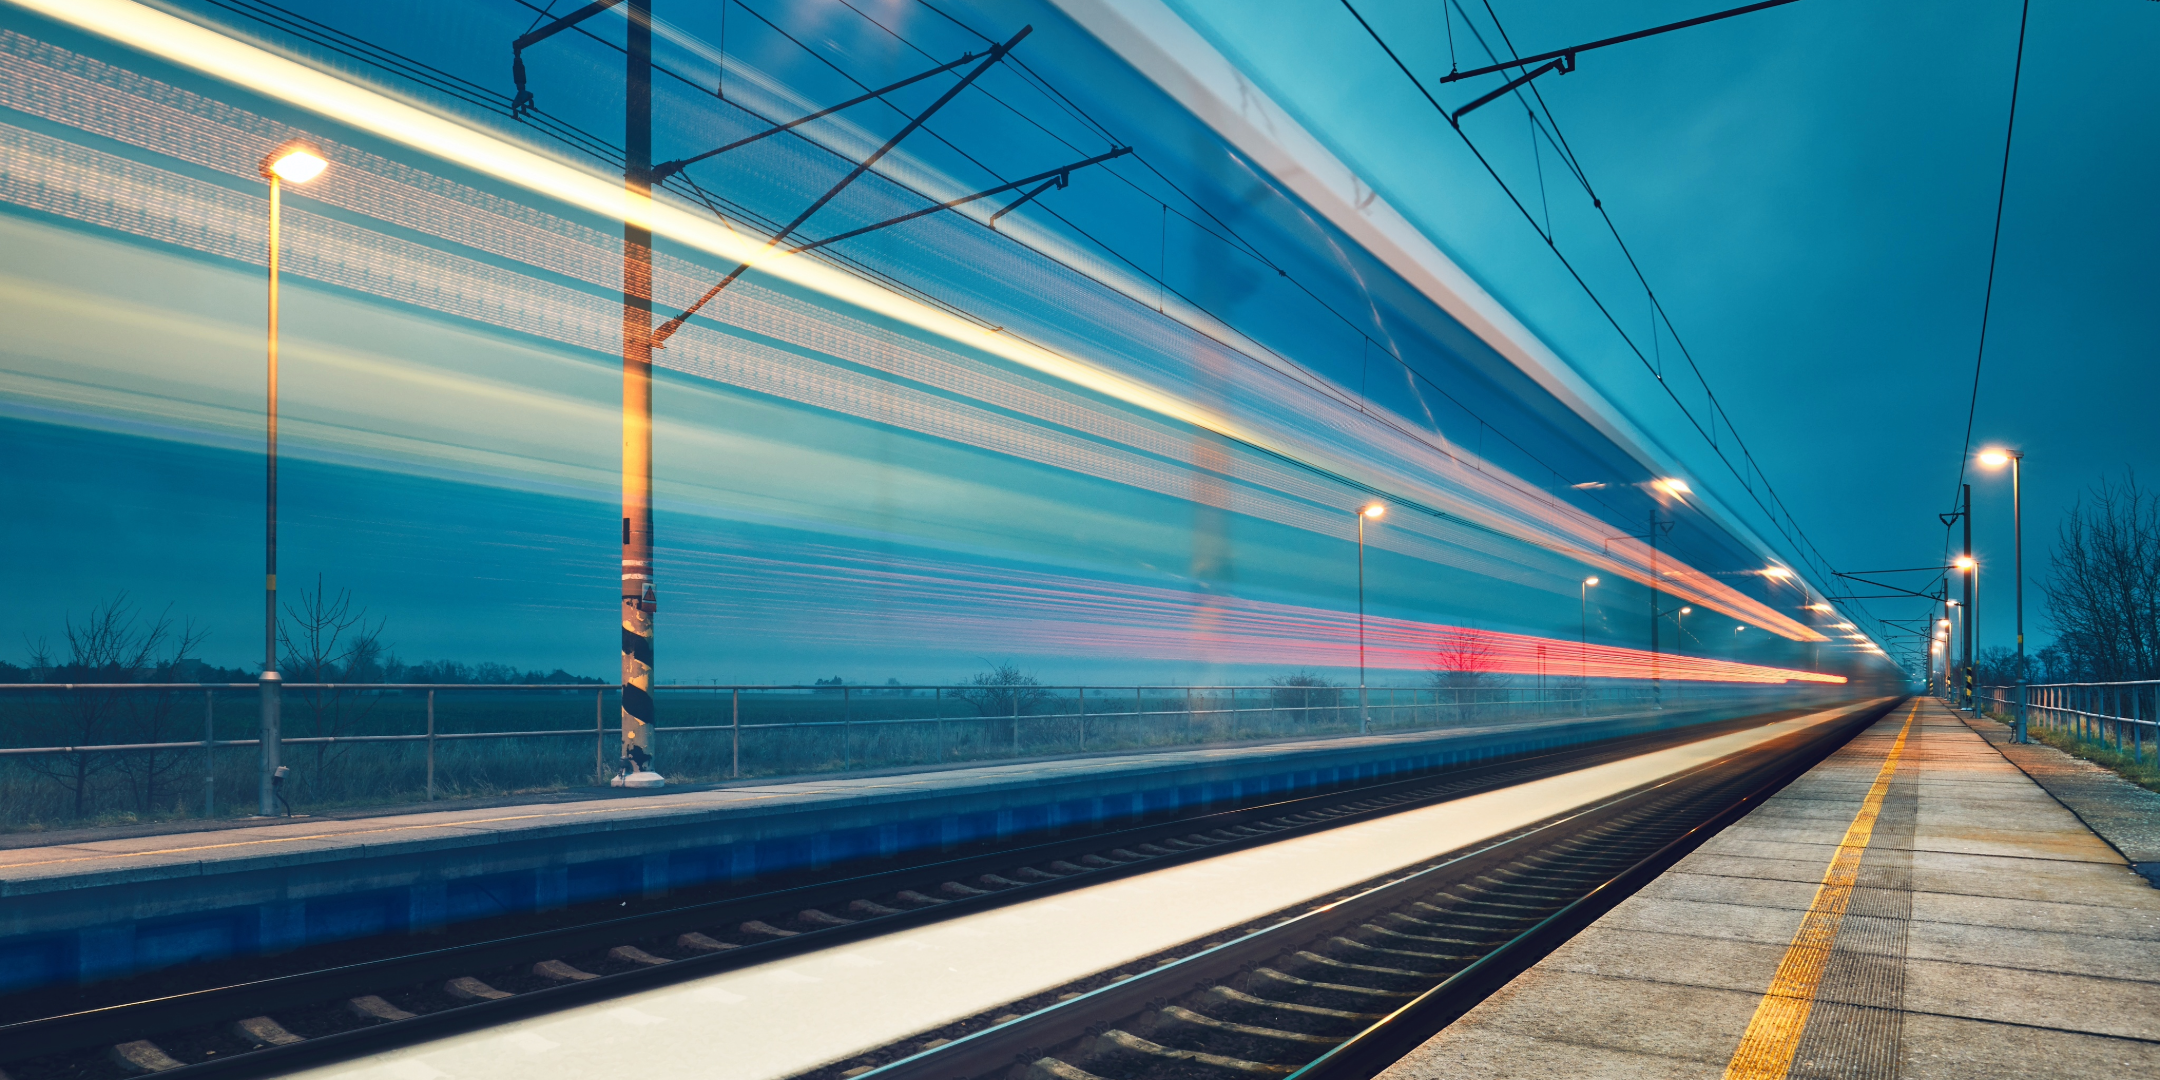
(639, 780)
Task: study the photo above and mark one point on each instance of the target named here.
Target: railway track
(1341, 991)
(277, 1024)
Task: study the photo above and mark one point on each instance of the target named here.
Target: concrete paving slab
(1955, 1048)
(1990, 933)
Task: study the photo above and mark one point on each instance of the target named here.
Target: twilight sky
(1811, 191)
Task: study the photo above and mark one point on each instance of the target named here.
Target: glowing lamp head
(1589, 582)
(1963, 562)
(1949, 603)
(294, 163)
(1672, 485)
(1374, 511)
(1824, 608)
(1994, 459)
(1687, 611)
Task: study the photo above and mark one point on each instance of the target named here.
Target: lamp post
(1995, 459)
(1587, 584)
(1969, 622)
(1950, 665)
(296, 163)
(1373, 511)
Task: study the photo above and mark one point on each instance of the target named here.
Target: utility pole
(638, 595)
(1971, 624)
(1657, 690)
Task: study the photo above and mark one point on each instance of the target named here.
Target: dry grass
(2139, 764)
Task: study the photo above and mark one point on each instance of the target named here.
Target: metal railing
(780, 729)
(2124, 715)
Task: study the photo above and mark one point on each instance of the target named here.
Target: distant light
(1672, 485)
(1994, 459)
(1946, 624)
(1963, 562)
(1824, 608)
(1687, 611)
(1589, 581)
(1777, 572)
(296, 163)
(1373, 510)
(1844, 626)
(1951, 603)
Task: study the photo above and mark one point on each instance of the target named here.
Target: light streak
(438, 207)
(1061, 616)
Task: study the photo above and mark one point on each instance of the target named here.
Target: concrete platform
(83, 911)
(1944, 918)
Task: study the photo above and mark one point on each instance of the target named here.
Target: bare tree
(1304, 691)
(325, 640)
(1004, 690)
(2103, 594)
(112, 644)
(1462, 667)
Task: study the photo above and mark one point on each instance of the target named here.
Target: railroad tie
(467, 988)
(142, 1056)
(910, 896)
(995, 882)
(371, 1007)
(958, 891)
(871, 909)
(814, 917)
(557, 971)
(1050, 1068)
(1178, 1015)
(1225, 996)
(263, 1031)
(761, 928)
(696, 942)
(1117, 1041)
(1065, 868)
(1029, 873)
(631, 954)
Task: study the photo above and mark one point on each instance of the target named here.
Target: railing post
(599, 737)
(431, 746)
(209, 753)
(1015, 691)
(937, 711)
(846, 752)
(734, 770)
(273, 700)
(1083, 719)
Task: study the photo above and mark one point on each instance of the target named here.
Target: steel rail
(1008, 1049)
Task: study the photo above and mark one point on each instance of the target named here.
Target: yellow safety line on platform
(1773, 1036)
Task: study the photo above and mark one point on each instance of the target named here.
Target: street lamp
(1373, 511)
(1996, 459)
(1588, 583)
(292, 163)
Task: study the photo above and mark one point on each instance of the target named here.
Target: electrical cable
(2002, 191)
(1802, 546)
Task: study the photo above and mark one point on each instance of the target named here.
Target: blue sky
(1811, 190)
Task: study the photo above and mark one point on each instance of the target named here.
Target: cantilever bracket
(1564, 64)
(522, 102)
